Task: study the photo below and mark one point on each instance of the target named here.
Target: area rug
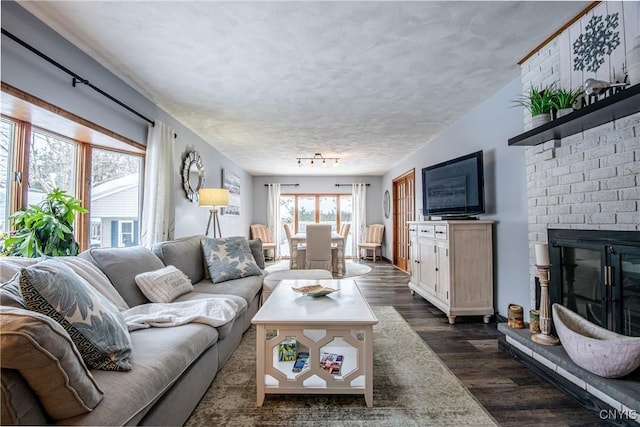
(411, 387)
(353, 268)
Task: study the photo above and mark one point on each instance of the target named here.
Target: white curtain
(273, 215)
(158, 219)
(359, 222)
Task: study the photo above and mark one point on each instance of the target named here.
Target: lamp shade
(213, 197)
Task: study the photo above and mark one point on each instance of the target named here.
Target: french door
(403, 211)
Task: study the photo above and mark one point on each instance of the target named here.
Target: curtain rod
(284, 185)
(349, 185)
(76, 77)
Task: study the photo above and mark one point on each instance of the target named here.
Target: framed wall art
(231, 182)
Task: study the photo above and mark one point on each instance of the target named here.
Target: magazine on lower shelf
(302, 361)
(331, 362)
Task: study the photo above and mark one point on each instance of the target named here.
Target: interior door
(403, 211)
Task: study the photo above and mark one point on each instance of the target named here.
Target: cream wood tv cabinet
(452, 266)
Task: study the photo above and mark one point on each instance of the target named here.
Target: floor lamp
(213, 198)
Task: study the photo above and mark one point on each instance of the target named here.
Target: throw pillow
(43, 353)
(257, 251)
(95, 325)
(229, 258)
(95, 278)
(164, 285)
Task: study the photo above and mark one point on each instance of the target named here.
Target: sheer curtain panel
(158, 220)
(359, 223)
(273, 215)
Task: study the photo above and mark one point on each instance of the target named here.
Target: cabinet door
(442, 252)
(414, 256)
(428, 264)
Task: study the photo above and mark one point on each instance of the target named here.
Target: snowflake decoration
(598, 40)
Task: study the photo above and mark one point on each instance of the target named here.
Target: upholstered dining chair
(372, 241)
(262, 232)
(301, 249)
(344, 232)
(318, 247)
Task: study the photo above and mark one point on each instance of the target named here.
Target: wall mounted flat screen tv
(454, 188)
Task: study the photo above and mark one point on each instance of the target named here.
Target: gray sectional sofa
(172, 367)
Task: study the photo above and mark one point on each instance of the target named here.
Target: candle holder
(544, 337)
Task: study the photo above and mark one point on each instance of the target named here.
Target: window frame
(29, 113)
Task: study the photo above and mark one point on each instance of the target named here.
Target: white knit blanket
(215, 311)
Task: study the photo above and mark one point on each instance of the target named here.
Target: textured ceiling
(266, 82)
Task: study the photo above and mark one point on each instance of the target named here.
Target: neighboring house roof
(118, 198)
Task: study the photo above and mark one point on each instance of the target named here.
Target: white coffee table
(339, 323)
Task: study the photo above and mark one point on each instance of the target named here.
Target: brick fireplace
(587, 186)
(587, 181)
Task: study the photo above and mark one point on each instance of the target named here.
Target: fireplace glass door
(629, 320)
(582, 291)
(596, 273)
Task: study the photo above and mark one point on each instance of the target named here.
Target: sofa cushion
(185, 254)
(10, 294)
(164, 285)
(19, 404)
(247, 288)
(121, 266)
(11, 265)
(95, 325)
(160, 357)
(229, 258)
(45, 356)
(258, 253)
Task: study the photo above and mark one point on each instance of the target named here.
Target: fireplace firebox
(596, 273)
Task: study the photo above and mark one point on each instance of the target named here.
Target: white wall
(29, 73)
(488, 127)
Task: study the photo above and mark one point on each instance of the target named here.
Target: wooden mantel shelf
(616, 106)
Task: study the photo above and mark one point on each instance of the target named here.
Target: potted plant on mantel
(539, 103)
(45, 228)
(564, 100)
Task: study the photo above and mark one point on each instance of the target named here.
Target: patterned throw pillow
(95, 325)
(164, 285)
(229, 258)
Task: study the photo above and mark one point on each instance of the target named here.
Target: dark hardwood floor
(512, 394)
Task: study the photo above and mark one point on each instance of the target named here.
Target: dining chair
(318, 247)
(262, 232)
(301, 249)
(344, 232)
(372, 241)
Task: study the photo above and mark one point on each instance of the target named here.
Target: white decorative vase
(598, 350)
(564, 112)
(633, 62)
(540, 119)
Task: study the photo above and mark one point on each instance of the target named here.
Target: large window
(6, 146)
(104, 171)
(115, 198)
(298, 210)
(52, 164)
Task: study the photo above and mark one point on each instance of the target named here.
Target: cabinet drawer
(441, 232)
(426, 231)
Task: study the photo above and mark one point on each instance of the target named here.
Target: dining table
(337, 242)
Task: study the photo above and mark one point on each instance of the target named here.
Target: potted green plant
(539, 103)
(45, 228)
(564, 100)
